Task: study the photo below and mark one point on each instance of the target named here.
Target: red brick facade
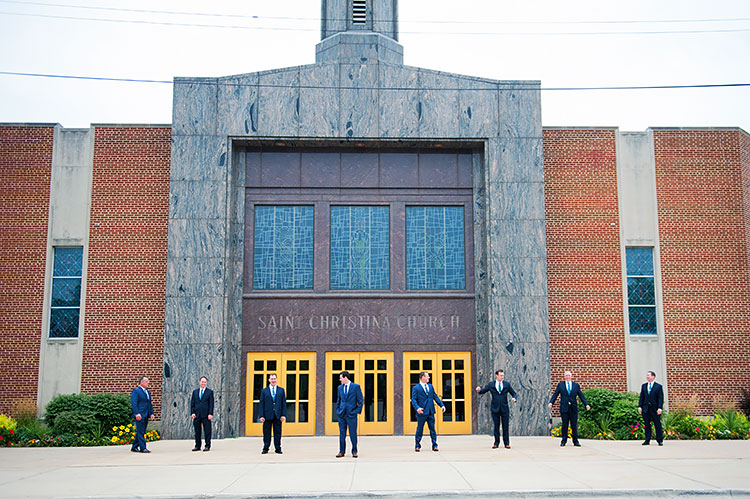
(704, 267)
(25, 172)
(583, 257)
(703, 198)
(124, 323)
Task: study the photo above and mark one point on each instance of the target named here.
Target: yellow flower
(114, 440)
(114, 428)
(120, 434)
(122, 427)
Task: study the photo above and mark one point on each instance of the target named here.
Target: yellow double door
(374, 371)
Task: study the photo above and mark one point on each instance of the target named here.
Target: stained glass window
(641, 293)
(65, 311)
(359, 247)
(435, 247)
(283, 250)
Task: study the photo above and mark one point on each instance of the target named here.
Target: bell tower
(359, 31)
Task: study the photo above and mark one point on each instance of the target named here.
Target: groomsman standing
(423, 399)
(349, 403)
(650, 405)
(568, 390)
(499, 389)
(202, 412)
(272, 414)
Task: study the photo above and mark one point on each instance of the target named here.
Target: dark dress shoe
(278, 451)
(206, 449)
(507, 446)
(354, 454)
(661, 443)
(146, 451)
(340, 454)
(134, 450)
(435, 449)
(576, 444)
(416, 449)
(196, 449)
(562, 444)
(494, 446)
(645, 443)
(264, 451)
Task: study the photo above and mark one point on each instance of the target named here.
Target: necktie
(426, 390)
(568, 388)
(273, 393)
(500, 387)
(649, 388)
(147, 395)
(346, 389)
(201, 394)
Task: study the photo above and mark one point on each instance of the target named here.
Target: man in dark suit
(650, 405)
(423, 399)
(143, 410)
(272, 414)
(499, 389)
(202, 412)
(568, 390)
(349, 404)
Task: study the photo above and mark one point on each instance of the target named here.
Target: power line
(420, 21)
(442, 33)
(204, 81)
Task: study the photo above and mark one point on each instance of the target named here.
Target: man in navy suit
(650, 405)
(272, 414)
(349, 403)
(140, 403)
(568, 390)
(499, 389)
(423, 399)
(202, 412)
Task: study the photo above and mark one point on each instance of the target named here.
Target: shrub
(601, 401)
(744, 403)
(7, 431)
(625, 411)
(730, 424)
(107, 409)
(7, 422)
(75, 422)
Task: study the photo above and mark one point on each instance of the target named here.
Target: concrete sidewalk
(387, 466)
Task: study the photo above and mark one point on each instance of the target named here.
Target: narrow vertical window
(65, 311)
(641, 291)
(359, 247)
(359, 11)
(435, 247)
(283, 247)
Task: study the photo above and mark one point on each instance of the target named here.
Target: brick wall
(124, 323)
(704, 263)
(25, 171)
(583, 258)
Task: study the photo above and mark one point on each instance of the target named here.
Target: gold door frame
(437, 372)
(361, 365)
(288, 367)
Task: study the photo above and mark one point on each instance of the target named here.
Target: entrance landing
(388, 466)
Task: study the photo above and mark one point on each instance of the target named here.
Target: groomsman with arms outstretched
(423, 399)
(499, 389)
(568, 390)
(650, 406)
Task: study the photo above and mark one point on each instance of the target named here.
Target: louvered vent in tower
(359, 11)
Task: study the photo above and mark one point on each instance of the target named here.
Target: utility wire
(514, 87)
(401, 21)
(442, 33)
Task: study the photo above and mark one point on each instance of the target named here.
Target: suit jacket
(651, 401)
(568, 402)
(351, 404)
(202, 407)
(141, 403)
(499, 399)
(272, 408)
(424, 400)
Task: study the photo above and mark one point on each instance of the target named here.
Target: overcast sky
(581, 43)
